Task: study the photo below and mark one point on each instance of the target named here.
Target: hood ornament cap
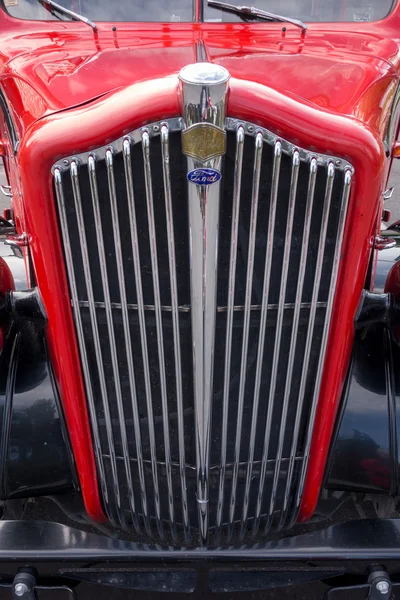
(203, 88)
(204, 73)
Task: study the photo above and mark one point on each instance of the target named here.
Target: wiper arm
(255, 13)
(69, 13)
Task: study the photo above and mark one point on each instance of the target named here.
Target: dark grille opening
(113, 369)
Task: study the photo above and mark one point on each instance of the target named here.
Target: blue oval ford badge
(204, 176)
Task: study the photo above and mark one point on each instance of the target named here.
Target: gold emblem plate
(203, 141)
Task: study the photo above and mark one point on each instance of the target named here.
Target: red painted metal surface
(70, 91)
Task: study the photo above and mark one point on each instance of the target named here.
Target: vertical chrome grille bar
(110, 329)
(175, 325)
(295, 329)
(143, 341)
(229, 320)
(258, 148)
(96, 337)
(309, 338)
(286, 454)
(328, 315)
(81, 339)
(278, 338)
(158, 316)
(263, 323)
(126, 327)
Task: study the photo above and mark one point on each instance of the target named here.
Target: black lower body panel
(68, 563)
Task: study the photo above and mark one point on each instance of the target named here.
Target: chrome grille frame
(292, 497)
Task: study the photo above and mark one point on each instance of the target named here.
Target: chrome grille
(123, 216)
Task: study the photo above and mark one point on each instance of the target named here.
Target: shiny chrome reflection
(110, 324)
(258, 148)
(255, 486)
(309, 338)
(229, 324)
(277, 342)
(295, 329)
(58, 185)
(159, 330)
(96, 338)
(143, 342)
(348, 175)
(263, 323)
(203, 88)
(175, 325)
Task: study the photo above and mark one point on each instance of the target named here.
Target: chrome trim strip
(107, 298)
(96, 339)
(229, 320)
(203, 91)
(143, 341)
(176, 124)
(263, 323)
(278, 338)
(159, 329)
(309, 338)
(251, 130)
(295, 328)
(393, 121)
(258, 148)
(186, 309)
(324, 343)
(58, 184)
(6, 190)
(175, 325)
(213, 468)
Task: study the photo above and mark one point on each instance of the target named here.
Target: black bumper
(65, 561)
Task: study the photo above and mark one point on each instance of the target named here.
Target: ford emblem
(204, 176)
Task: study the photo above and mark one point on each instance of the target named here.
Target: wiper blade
(252, 12)
(69, 13)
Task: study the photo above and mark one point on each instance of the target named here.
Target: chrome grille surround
(273, 511)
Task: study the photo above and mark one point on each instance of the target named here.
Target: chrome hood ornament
(203, 88)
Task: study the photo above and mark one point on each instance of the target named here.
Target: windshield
(156, 11)
(183, 10)
(310, 10)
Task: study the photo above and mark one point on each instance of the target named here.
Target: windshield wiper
(69, 13)
(255, 13)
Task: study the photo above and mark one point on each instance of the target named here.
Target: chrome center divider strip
(203, 90)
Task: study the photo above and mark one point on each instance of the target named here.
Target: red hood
(52, 67)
